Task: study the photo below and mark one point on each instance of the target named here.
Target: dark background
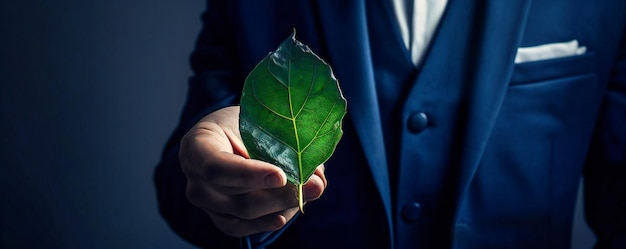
(89, 92)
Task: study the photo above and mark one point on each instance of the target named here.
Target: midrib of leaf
(294, 116)
(295, 130)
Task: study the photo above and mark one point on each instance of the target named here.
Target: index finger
(232, 171)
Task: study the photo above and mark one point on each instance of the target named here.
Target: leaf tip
(295, 41)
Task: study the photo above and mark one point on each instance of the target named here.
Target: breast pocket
(545, 122)
(538, 143)
(553, 69)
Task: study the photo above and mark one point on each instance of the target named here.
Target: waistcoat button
(411, 212)
(417, 122)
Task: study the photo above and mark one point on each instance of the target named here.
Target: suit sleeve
(215, 84)
(605, 172)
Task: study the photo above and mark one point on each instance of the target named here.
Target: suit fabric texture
(466, 150)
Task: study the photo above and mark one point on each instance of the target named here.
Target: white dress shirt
(418, 20)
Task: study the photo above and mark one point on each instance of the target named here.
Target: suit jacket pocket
(543, 70)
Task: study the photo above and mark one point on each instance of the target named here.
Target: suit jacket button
(411, 212)
(417, 122)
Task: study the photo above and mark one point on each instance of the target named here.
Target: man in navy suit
(477, 140)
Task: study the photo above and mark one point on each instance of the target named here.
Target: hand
(242, 196)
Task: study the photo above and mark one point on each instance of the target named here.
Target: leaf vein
(321, 126)
(266, 106)
(266, 132)
(308, 95)
(275, 76)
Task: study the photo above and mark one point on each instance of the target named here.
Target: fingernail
(273, 181)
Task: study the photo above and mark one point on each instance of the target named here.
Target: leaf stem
(300, 199)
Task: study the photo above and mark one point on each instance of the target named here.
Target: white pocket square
(549, 51)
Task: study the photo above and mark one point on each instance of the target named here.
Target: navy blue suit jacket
(516, 137)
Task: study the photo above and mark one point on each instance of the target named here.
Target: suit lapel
(500, 35)
(344, 26)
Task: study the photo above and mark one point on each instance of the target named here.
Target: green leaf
(291, 111)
